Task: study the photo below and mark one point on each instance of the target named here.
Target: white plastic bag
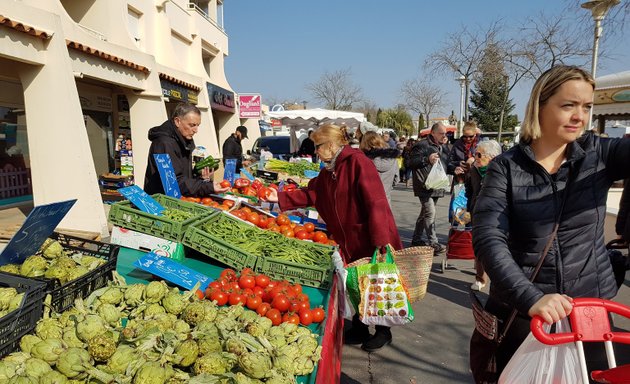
(538, 363)
(437, 178)
(346, 306)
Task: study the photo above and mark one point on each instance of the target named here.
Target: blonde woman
(383, 157)
(556, 174)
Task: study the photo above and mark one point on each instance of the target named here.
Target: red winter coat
(352, 202)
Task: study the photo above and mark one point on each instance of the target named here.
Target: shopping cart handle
(536, 326)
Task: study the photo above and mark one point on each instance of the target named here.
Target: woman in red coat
(350, 198)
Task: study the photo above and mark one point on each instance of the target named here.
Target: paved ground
(434, 348)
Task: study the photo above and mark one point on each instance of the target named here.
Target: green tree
(421, 123)
(490, 95)
(396, 118)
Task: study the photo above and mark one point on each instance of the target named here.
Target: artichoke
(51, 249)
(194, 313)
(134, 294)
(70, 337)
(307, 344)
(153, 309)
(209, 344)
(112, 295)
(27, 342)
(152, 372)
(7, 370)
(49, 350)
(110, 313)
(22, 380)
(205, 329)
(280, 378)
(16, 302)
(181, 327)
(235, 345)
(214, 363)
(303, 365)
(6, 294)
(67, 319)
(248, 316)
(75, 363)
(121, 359)
(53, 377)
(10, 268)
(255, 364)
(35, 367)
(76, 272)
(187, 352)
(90, 262)
(33, 266)
(174, 302)
(65, 262)
(49, 329)
(17, 358)
(57, 271)
(155, 291)
(92, 326)
(101, 347)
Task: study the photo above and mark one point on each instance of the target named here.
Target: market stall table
(330, 331)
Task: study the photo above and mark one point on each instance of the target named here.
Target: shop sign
(94, 102)
(276, 123)
(221, 99)
(177, 92)
(249, 105)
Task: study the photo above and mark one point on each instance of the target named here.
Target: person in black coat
(520, 202)
(232, 148)
(307, 148)
(423, 155)
(175, 138)
(622, 225)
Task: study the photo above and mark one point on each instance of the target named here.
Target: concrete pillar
(61, 161)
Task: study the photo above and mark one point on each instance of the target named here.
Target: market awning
(612, 95)
(308, 118)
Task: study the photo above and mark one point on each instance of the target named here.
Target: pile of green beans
(267, 244)
(177, 214)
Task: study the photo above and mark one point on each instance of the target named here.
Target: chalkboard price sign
(39, 224)
(167, 175)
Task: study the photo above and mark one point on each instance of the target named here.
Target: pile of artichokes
(153, 334)
(53, 262)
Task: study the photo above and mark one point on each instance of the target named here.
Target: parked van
(280, 146)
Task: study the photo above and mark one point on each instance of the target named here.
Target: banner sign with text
(167, 175)
(249, 106)
(172, 271)
(140, 199)
(39, 224)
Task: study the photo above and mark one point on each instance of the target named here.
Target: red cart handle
(589, 322)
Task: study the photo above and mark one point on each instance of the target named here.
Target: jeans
(426, 222)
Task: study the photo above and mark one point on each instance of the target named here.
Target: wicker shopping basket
(414, 264)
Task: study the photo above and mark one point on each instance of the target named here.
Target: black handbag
(486, 337)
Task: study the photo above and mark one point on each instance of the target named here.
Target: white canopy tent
(612, 98)
(311, 118)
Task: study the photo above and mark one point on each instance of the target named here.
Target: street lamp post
(462, 83)
(598, 8)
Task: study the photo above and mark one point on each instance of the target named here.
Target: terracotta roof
(5, 21)
(105, 56)
(180, 82)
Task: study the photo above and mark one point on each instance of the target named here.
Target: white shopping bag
(538, 363)
(437, 178)
(347, 310)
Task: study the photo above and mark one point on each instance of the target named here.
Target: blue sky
(279, 46)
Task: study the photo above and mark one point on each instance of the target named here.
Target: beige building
(82, 82)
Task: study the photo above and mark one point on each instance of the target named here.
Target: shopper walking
(233, 149)
(383, 157)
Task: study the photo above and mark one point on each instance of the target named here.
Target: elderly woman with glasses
(486, 151)
(349, 196)
(462, 155)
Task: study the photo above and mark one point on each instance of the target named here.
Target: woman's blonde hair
(546, 86)
(470, 125)
(372, 140)
(330, 132)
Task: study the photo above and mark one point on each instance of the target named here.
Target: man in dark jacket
(307, 147)
(232, 148)
(175, 138)
(423, 155)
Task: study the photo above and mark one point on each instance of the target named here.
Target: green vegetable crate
(309, 275)
(126, 216)
(64, 295)
(22, 320)
(215, 248)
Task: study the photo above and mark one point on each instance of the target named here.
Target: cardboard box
(147, 243)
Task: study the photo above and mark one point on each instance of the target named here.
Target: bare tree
(461, 52)
(421, 97)
(369, 109)
(336, 90)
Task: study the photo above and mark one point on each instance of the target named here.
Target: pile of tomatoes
(282, 224)
(209, 202)
(255, 188)
(279, 301)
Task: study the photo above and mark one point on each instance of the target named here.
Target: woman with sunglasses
(556, 175)
(350, 198)
(462, 155)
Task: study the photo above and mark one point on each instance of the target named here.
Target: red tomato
(318, 314)
(297, 305)
(247, 271)
(289, 233)
(320, 237)
(291, 317)
(283, 220)
(195, 199)
(256, 184)
(208, 292)
(309, 227)
(262, 281)
(225, 184)
(302, 297)
(264, 222)
(214, 284)
(228, 203)
(263, 193)
(253, 302)
(206, 201)
(220, 297)
(297, 288)
(274, 315)
(234, 286)
(263, 309)
(229, 274)
(258, 291)
(302, 235)
(306, 317)
(241, 183)
(253, 218)
(281, 303)
(236, 298)
(247, 281)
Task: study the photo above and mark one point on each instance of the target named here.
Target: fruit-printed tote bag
(383, 300)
